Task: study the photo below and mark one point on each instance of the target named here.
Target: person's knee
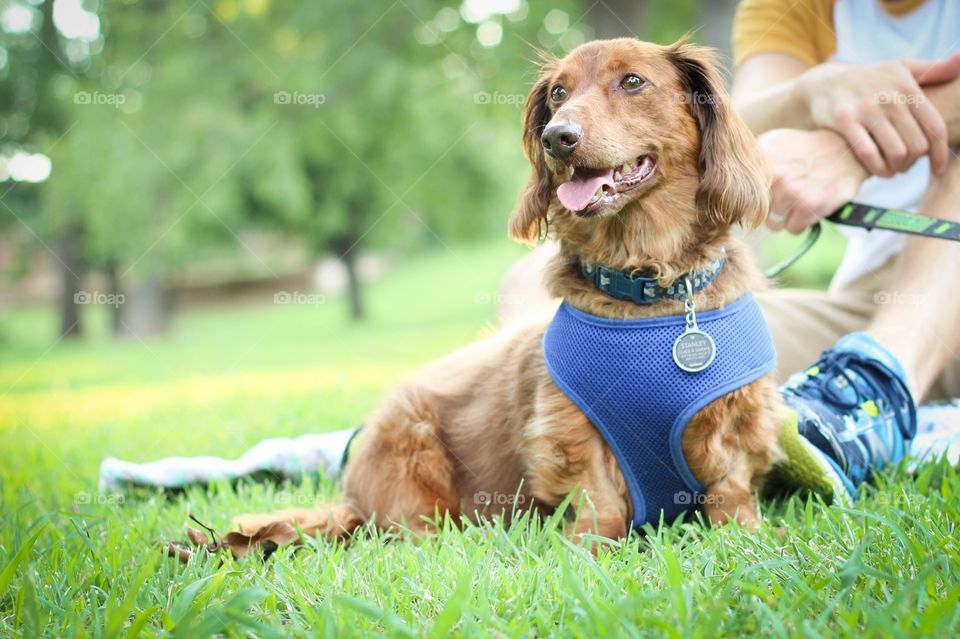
(522, 292)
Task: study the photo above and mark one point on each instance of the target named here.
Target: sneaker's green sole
(802, 468)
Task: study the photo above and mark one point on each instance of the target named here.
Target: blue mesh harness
(622, 375)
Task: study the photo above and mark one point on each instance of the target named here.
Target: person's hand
(814, 173)
(882, 111)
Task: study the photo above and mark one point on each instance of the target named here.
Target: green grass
(78, 563)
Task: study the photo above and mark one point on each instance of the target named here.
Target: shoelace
(838, 363)
(877, 377)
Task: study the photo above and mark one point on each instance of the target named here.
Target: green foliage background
(393, 149)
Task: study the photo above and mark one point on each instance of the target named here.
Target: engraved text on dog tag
(694, 351)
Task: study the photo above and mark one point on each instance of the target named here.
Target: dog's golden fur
(488, 420)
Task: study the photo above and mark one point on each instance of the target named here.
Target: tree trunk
(113, 289)
(347, 245)
(71, 267)
(145, 310)
(357, 311)
(617, 18)
(716, 20)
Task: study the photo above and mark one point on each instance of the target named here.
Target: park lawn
(78, 563)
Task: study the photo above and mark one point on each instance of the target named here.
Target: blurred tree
(662, 21)
(34, 59)
(147, 165)
(354, 126)
(361, 125)
(387, 128)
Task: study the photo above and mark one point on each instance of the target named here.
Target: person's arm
(946, 98)
(879, 108)
(814, 172)
(765, 92)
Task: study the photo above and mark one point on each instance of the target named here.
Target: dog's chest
(622, 374)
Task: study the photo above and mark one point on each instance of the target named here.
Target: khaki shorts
(804, 323)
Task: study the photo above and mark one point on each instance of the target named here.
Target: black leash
(875, 217)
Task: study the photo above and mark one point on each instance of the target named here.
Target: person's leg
(522, 294)
(806, 322)
(856, 404)
(921, 327)
(851, 410)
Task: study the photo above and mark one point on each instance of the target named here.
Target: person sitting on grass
(855, 100)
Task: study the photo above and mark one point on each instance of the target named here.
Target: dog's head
(616, 122)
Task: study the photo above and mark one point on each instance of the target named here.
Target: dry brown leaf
(237, 543)
(181, 553)
(266, 540)
(279, 532)
(196, 537)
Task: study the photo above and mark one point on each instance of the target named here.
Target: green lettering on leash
(904, 221)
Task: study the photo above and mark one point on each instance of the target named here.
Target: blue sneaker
(853, 406)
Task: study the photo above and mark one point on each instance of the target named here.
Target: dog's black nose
(561, 138)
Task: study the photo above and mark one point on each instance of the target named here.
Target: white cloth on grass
(284, 457)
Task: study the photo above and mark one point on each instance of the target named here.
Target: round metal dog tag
(694, 350)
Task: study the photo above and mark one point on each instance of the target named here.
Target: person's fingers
(793, 207)
(913, 137)
(864, 147)
(776, 221)
(804, 211)
(783, 199)
(893, 148)
(803, 200)
(800, 220)
(935, 71)
(935, 129)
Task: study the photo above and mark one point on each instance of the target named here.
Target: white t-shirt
(866, 34)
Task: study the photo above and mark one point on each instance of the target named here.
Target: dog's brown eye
(632, 82)
(559, 94)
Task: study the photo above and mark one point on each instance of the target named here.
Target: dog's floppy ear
(734, 180)
(528, 223)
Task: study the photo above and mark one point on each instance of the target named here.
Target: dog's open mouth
(591, 189)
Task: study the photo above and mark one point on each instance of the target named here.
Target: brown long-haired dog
(488, 420)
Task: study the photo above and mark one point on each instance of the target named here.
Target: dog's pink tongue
(577, 193)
